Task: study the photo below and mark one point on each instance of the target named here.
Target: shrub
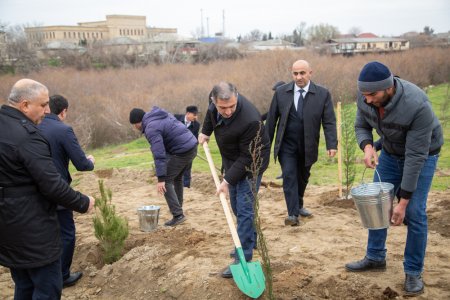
(54, 62)
(110, 229)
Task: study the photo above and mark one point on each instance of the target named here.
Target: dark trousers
(176, 165)
(67, 227)
(38, 283)
(295, 179)
(187, 176)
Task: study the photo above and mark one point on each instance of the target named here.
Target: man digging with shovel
(235, 123)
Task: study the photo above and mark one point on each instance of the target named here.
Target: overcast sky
(382, 17)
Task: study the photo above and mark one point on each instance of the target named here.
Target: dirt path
(185, 262)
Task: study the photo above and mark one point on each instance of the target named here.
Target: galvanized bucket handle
(362, 179)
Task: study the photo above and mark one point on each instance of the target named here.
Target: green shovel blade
(249, 276)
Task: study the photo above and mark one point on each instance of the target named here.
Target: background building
(85, 33)
(349, 46)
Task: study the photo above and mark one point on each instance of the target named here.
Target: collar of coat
(290, 88)
(15, 113)
(52, 116)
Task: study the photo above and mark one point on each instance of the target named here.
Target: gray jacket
(409, 129)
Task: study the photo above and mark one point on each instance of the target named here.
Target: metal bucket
(374, 203)
(148, 217)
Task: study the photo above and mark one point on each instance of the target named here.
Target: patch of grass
(135, 154)
(440, 99)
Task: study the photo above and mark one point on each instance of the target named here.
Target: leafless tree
(254, 35)
(354, 30)
(21, 57)
(318, 34)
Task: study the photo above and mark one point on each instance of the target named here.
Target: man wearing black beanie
(402, 115)
(173, 147)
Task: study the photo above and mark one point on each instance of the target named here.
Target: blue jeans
(241, 200)
(67, 227)
(38, 283)
(390, 168)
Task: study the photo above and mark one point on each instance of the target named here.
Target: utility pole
(223, 23)
(207, 25)
(202, 31)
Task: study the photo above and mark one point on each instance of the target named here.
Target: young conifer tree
(348, 146)
(110, 229)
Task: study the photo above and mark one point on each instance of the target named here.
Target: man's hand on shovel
(223, 188)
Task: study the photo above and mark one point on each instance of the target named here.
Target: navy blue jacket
(64, 146)
(167, 136)
(194, 127)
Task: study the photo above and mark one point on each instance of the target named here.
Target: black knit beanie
(136, 115)
(375, 77)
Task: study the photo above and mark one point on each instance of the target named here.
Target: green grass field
(136, 154)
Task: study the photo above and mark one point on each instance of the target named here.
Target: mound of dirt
(439, 213)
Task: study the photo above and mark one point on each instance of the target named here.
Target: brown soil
(185, 262)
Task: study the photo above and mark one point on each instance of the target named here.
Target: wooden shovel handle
(222, 197)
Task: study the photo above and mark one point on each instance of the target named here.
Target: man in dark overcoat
(30, 190)
(297, 111)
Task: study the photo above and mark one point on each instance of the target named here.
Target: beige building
(115, 26)
(367, 45)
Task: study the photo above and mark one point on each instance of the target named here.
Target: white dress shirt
(188, 123)
(297, 93)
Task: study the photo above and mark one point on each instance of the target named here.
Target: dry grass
(101, 100)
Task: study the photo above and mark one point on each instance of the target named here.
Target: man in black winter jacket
(236, 123)
(30, 189)
(64, 147)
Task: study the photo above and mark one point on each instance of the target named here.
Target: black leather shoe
(304, 212)
(175, 221)
(233, 253)
(73, 278)
(366, 265)
(227, 272)
(413, 285)
(291, 220)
